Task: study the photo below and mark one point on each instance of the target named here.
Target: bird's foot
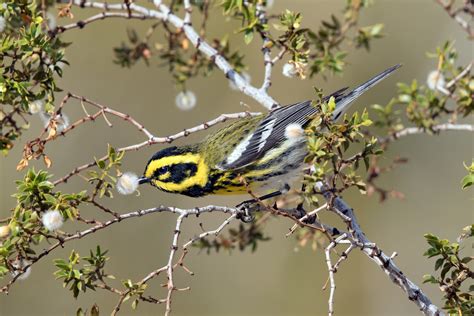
(247, 209)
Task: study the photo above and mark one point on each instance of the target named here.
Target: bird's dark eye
(175, 173)
(160, 171)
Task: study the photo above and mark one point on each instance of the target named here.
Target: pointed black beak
(143, 180)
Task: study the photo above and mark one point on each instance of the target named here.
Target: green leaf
(366, 163)
(431, 252)
(248, 36)
(447, 266)
(467, 181)
(101, 164)
(439, 263)
(376, 30)
(331, 104)
(126, 298)
(427, 278)
(3, 270)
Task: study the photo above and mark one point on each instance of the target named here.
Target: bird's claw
(310, 219)
(299, 212)
(247, 209)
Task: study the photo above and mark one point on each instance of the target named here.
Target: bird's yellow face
(178, 171)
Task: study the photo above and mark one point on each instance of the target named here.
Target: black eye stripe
(178, 172)
(158, 172)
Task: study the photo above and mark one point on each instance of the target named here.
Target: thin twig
(332, 269)
(461, 75)
(454, 14)
(214, 232)
(101, 16)
(437, 128)
(150, 138)
(385, 262)
(164, 14)
(122, 217)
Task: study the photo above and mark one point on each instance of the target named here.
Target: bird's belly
(279, 183)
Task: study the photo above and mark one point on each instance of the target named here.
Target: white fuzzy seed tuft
(245, 76)
(3, 24)
(294, 131)
(435, 80)
(127, 183)
(185, 100)
(52, 220)
(62, 121)
(20, 265)
(289, 70)
(36, 106)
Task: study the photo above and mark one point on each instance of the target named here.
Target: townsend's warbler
(251, 151)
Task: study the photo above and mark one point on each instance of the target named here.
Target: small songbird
(252, 151)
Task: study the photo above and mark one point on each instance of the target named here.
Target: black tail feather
(344, 102)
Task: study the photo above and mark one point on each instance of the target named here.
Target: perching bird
(252, 151)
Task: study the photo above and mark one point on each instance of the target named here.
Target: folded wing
(271, 130)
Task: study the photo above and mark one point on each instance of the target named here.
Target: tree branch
(355, 237)
(102, 225)
(150, 138)
(164, 14)
(333, 268)
(454, 14)
(101, 16)
(436, 128)
(386, 263)
(266, 50)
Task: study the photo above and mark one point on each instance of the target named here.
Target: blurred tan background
(275, 280)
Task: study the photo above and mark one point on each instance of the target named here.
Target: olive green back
(217, 146)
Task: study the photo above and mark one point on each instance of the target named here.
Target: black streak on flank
(210, 187)
(194, 191)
